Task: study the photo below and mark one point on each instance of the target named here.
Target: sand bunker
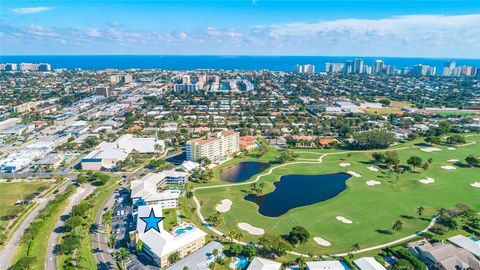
(427, 181)
(453, 160)
(344, 220)
(373, 182)
(224, 206)
(321, 241)
(451, 148)
(475, 184)
(448, 167)
(373, 169)
(345, 164)
(430, 149)
(356, 174)
(251, 229)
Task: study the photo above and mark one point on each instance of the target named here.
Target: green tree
(174, 257)
(472, 161)
(420, 210)
(122, 255)
(414, 161)
(273, 245)
(298, 235)
(398, 225)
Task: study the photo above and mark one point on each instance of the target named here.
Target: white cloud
(29, 10)
(410, 35)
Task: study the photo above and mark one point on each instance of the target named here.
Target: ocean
(170, 62)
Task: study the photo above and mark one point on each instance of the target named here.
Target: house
(444, 256)
(200, 259)
(159, 245)
(304, 141)
(50, 162)
(247, 142)
(326, 265)
(368, 263)
(263, 264)
(327, 142)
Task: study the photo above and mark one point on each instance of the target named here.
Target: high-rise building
(308, 68)
(298, 68)
(349, 66)
(44, 67)
(378, 67)
(358, 66)
(186, 79)
(367, 69)
(420, 70)
(450, 64)
(213, 147)
(333, 67)
(10, 67)
(102, 91)
(186, 87)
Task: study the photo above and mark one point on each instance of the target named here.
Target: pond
(294, 191)
(242, 171)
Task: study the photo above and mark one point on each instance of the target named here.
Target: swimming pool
(242, 262)
(183, 230)
(473, 239)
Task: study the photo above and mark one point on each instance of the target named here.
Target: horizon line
(240, 55)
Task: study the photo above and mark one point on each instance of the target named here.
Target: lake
(294, 191)
(242, 171)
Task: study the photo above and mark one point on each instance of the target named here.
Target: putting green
(372, 209)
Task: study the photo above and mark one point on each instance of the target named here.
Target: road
(102, 252)
(50, 257)
(6, 255)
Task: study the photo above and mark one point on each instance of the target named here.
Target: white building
(326, 265)
(106, 155)
(219, 145)
(368, 263)
(160, 245)
(150, 189)
(263, 264)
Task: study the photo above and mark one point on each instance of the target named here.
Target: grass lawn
(373, 209)
(38, 246)
(85, 252)
(170, 221)
(12, 192)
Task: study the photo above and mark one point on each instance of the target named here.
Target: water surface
(294, 191)
(242, 171)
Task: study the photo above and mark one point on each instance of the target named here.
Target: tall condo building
(378, 67)
(358, 66)
(349, 66)
(214, 146)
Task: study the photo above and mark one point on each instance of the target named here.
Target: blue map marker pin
(151, 221)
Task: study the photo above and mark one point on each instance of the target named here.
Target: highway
(6, 255)
(80, 194)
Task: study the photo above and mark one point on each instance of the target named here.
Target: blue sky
(362, 28)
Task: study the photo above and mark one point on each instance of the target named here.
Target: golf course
(371, 201)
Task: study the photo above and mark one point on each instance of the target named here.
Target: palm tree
(122, 255)
(398, 225)
(260, 187)
(420, 210)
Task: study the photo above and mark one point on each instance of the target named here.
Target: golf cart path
(315, 161)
